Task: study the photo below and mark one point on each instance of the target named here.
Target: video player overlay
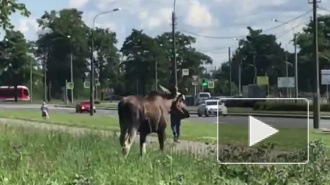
(261, 133)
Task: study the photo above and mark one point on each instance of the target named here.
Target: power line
(242, 36)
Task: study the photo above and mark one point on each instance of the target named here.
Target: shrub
(288, 106)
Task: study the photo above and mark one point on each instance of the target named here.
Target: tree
(306, 61)
(260, 50)
(107, 61)
(64, 34)
(7, 8)
(141, 53)
(15, 60)
(187, 56)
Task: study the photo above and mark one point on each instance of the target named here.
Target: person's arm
(178, 100)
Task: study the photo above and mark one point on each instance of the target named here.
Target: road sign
(69, 85)
(210, 84)
(185, 72)
(259, 131)
(194, 80)
(86, 85)
(285, 82)
(325, 76)
(97, 83)
(262, 80)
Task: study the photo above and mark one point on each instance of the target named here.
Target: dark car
(83, 107)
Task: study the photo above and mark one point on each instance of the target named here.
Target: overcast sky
(219, 18)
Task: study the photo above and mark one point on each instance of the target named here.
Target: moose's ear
(164, 89)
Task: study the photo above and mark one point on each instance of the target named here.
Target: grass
(195, 131)
(39, 157)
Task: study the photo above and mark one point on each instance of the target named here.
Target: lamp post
(92, 61)
(71, 67)
(296, 58)
(174, 64)
(287, 75)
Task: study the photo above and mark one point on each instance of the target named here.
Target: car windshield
(211, 103)
(203, 95)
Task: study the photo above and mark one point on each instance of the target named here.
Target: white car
(210, 108)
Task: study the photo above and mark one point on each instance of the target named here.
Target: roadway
(239, 120)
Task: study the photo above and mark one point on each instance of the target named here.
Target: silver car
(210, 108)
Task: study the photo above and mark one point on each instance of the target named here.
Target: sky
(206, 20)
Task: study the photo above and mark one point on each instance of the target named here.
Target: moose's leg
(161, 138)
(123, 139)
(143, 139)
(131, 135)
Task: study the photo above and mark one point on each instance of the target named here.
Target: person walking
(175, 118)
(44, 111)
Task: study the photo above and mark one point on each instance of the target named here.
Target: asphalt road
(239, 120)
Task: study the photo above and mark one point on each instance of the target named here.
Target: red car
(84, 106)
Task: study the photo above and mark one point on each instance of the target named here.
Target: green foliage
(288, 106)
(7, 8)
(29, 157)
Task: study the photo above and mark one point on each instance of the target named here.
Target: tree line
(132, 69)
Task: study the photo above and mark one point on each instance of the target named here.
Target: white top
(44, 108)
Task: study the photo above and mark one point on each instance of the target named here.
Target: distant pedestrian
(44, 111)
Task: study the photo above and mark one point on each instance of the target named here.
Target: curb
(239, 114)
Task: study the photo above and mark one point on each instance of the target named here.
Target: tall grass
(47, 158)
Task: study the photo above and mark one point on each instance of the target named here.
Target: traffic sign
(285, 82)
(259, 131)
(211, 84)
(86, 85)
(69, 85)
(325, 76)
(185, 72)
(97, 83)
(194, 80)
(262, 80)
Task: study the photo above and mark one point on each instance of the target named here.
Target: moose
(148, 114)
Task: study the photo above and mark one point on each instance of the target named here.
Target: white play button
(259, 131)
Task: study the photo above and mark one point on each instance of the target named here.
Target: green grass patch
(195, 131)
(40, 157)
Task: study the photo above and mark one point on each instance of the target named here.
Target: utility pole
(296, 68)
(255, 68)
(71, 65)
(91, 88)
(286, 73)
(156, 76)
(45, 74)
(240, 78)
(230, 84)
(174, 64)
(316, 102)
(31, 83)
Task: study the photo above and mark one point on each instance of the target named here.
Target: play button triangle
(259, 131)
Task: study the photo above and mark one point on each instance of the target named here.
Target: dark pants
(175, 125)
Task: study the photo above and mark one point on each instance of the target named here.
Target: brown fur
(146, 115)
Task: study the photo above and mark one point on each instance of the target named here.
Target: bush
(288, 106)
(241, 103)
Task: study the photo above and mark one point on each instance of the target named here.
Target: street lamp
(296, 58)
(92, 60)
(174, 64)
